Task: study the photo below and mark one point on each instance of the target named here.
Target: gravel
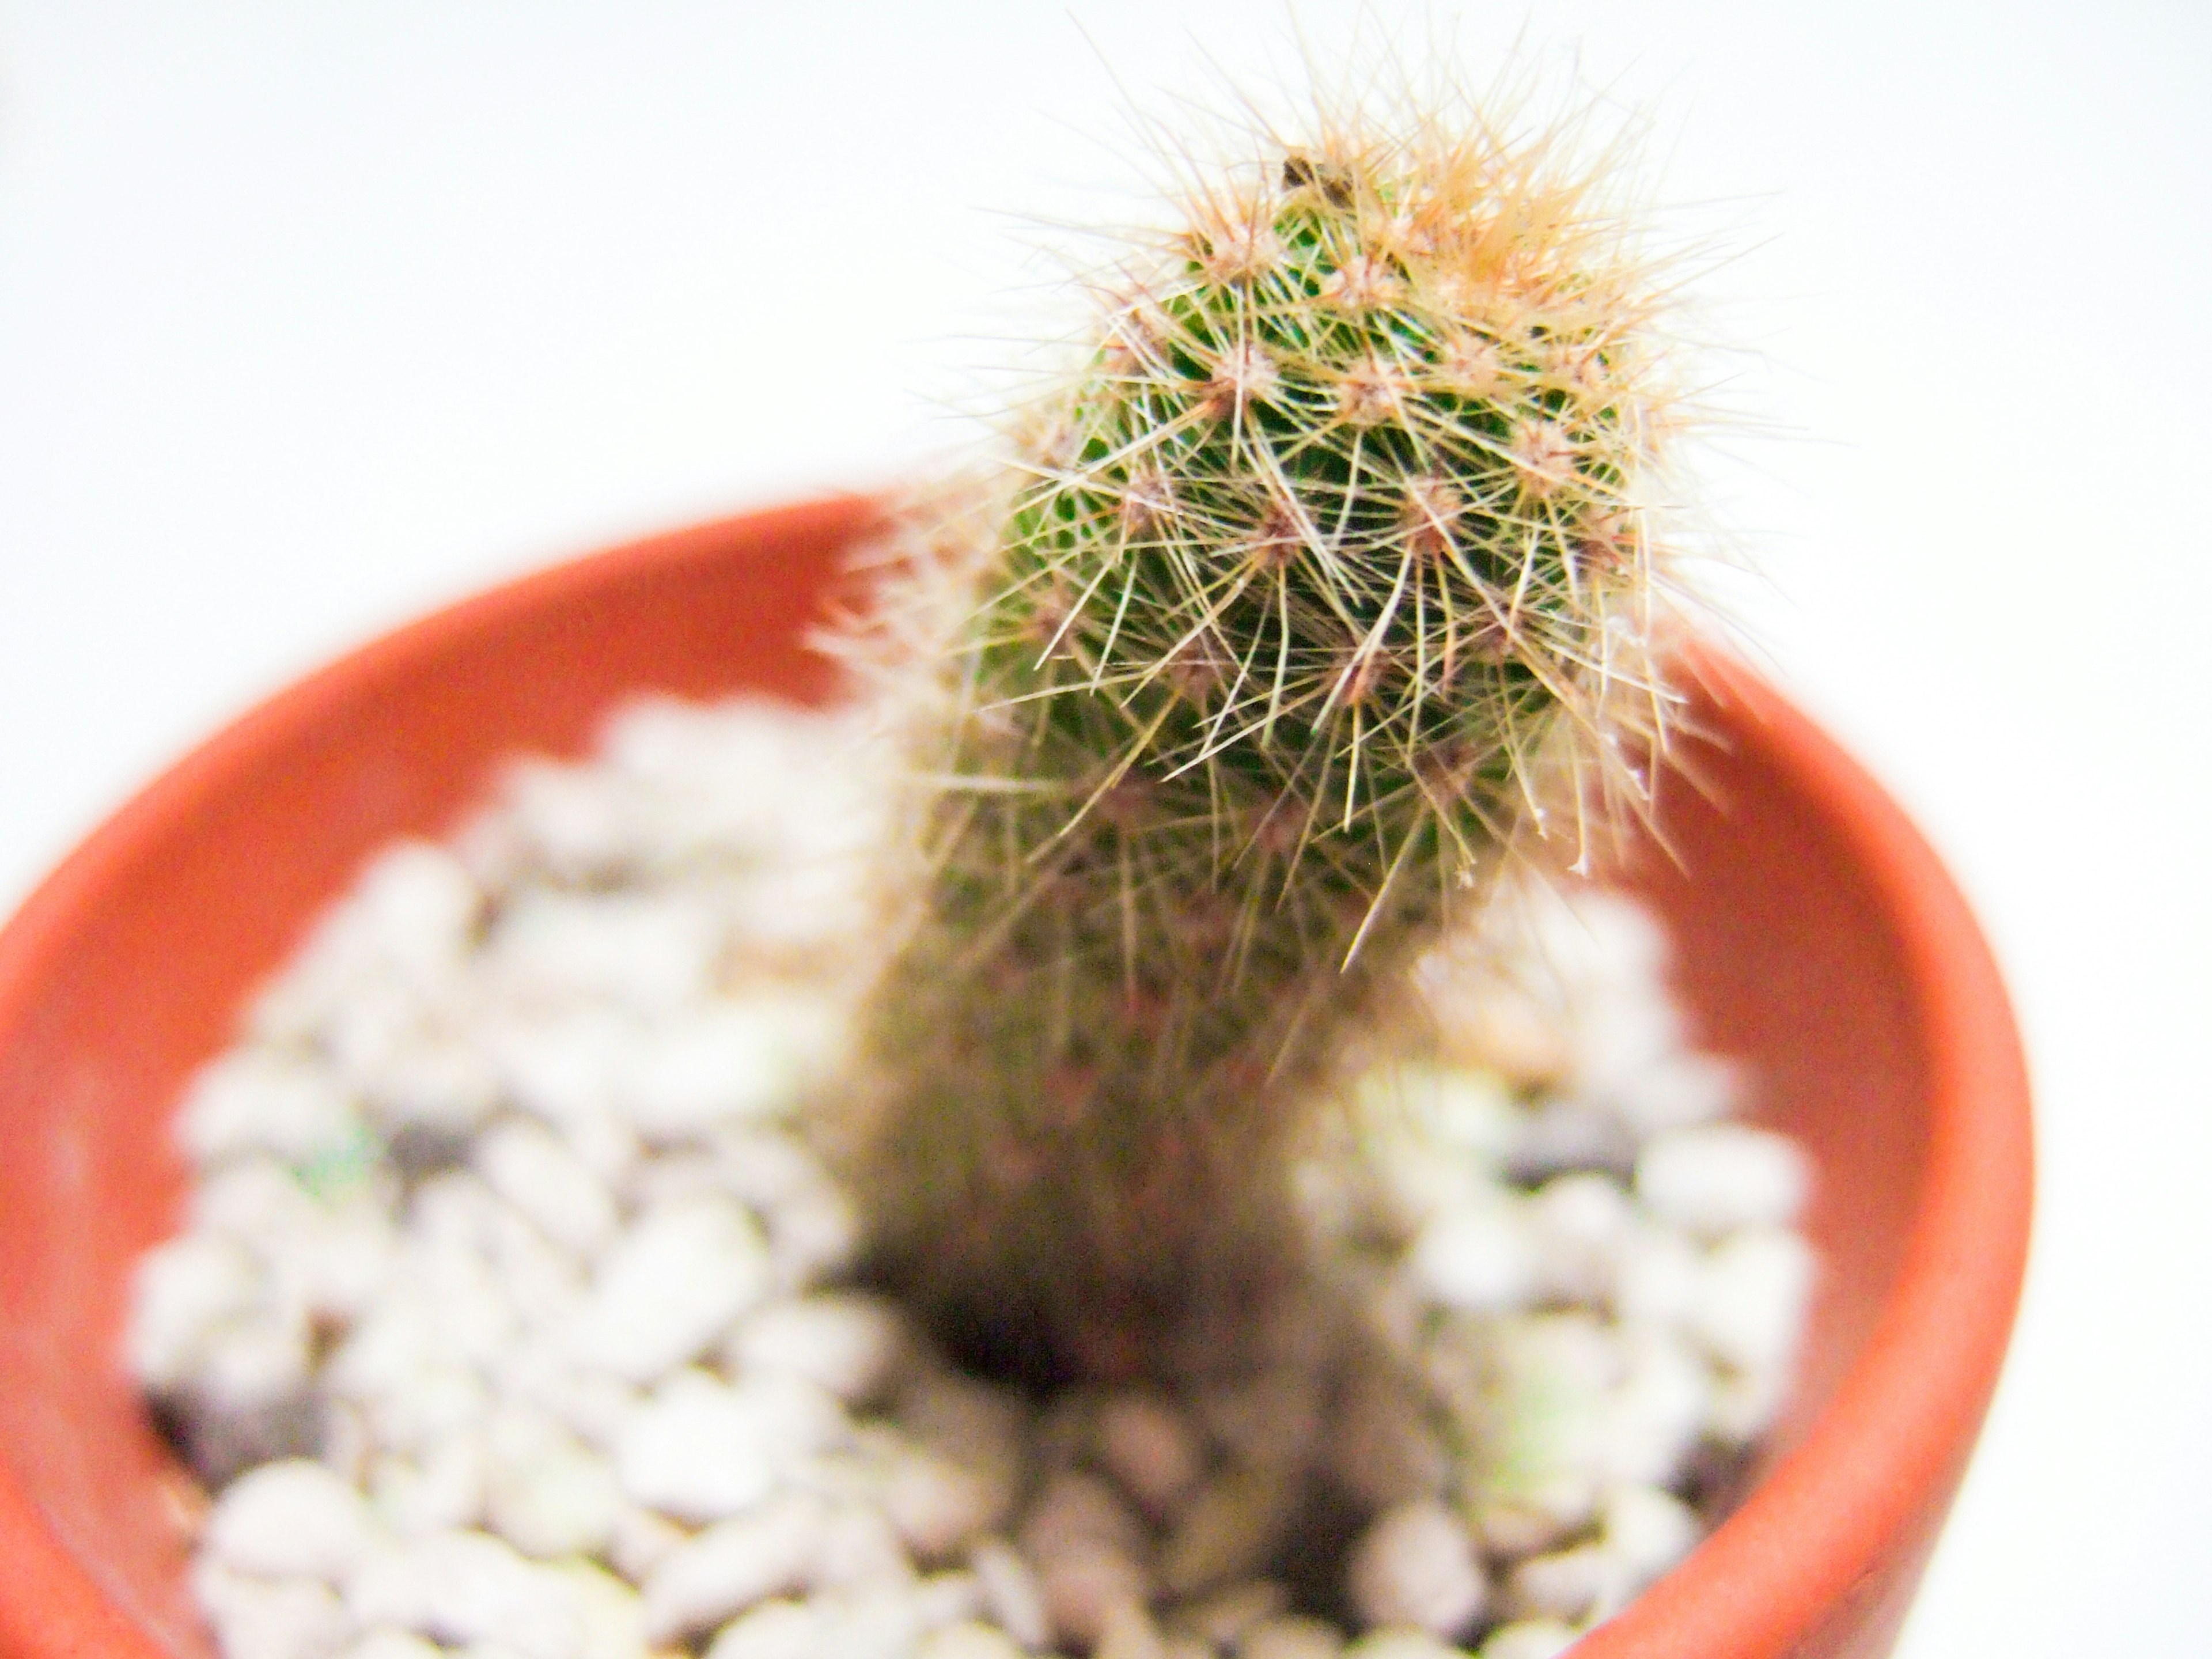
(514, 1316)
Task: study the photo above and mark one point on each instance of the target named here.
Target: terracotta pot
(1818, 939)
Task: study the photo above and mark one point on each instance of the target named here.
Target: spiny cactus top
(1328, 571)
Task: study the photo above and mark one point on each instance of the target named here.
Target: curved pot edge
(1847, 1518)
(1790, 1563)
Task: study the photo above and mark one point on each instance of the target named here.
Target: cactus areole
(1320, 588)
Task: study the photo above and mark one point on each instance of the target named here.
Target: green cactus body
(1326, 571)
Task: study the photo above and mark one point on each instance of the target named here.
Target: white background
(313, 315)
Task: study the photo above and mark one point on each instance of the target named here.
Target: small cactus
(1319, 586)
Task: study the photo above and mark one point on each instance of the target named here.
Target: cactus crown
(1345, 503)
(1320, 574)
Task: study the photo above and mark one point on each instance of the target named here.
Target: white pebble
(401, 933)
(968, 1639)
(1568, 1132)
(1529, 1638)
(256, 1199)
(948, 1598)
(592, 1404)
(393, 1340)
(713, 1576)
(638, 951)
(643, 1540)
(256, 1101)
(1402, 1643)
(254, 1365)
(1543, 1419)
(292, 1519)
(814, 1234)
(431, 1085)
(1150, 1448)
(1085, 1583)
(1579, 1225)
(341, 1266)
(1573, 1584)
(545, 1286)
(540, 1175)
(1653, 1419)
(762, 1166)
(1013, 1597)
(847, 1341)
(1499, 1026)
(1416, 1566)
(183, 1293)
(1647, 1530)
(1676, 1090)
(780, 1628)
(969, 1421)
(561, 1067)
(568, 818)
(1410, 1186)
(1745, 1404)
(439, 1490)
(1619, 1039)
(386, 1643)
(611, 1613)
(752, 1058)
(343, 1441)
(1752, 1301)
(870, 1624)
(463, 1586)
(860, 1549)
(697, 1450)
(672, 1176)
(416, 908)
(464, 1300)
(666, 738)
(1076, 1508)
(605, 1142)
(1479, 1258)
(1718, 1177)
(272, 1618)
(545, 1492)
(1658, 1278)
(454, 1211)
(1596, 942)
(1471, 1112)
(707, 772)
(938, 1505)
(670, 1285)
(802, 1418)
(367, 1031)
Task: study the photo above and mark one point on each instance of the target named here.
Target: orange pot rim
(1803, 1548)
(1812, 1538)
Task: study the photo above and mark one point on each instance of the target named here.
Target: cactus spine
(1326, 571)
